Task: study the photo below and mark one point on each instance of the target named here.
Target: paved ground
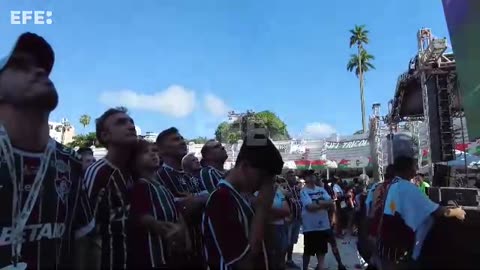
(348, 251)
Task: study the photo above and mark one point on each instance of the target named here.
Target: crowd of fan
(152, 206)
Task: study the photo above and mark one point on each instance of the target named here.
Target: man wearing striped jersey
(155, 231)
(189, 200)
(233, 229)
(214, 156)
(107, 182)
(43, 208)
(191, 167)
(295, 204)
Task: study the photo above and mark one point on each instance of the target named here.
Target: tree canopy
(198, 140)
(231, 132)
(364, 58)
(84, 140)
(85, 120)
(359, 36)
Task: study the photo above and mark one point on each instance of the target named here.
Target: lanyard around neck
(20, 215)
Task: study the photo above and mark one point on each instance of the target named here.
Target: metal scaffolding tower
(431, 60)
(432, 74)
(378, 143)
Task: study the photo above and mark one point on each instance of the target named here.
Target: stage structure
(427, 95)
(377, 133)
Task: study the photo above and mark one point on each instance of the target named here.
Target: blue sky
(213, 55)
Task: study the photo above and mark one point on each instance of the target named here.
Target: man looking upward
(213, 159)
(191, 167)
(108, 181)
(42, 205)
(189, 200)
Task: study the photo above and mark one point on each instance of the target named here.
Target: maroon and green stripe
(302, 164)
(318, 165)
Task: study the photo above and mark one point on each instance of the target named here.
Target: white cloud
(176, 100)
(318, 130)
(216, 106)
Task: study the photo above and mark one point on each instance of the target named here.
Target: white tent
(459, 161)
(332, 164)
(290, 164)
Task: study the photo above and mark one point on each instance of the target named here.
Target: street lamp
(65, 126)
(242, 119)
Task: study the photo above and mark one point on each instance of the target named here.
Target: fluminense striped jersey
(177, 182)
(60, 214)
(107, 188)
(226, 229)
(148, 250)
(181, 185)
(196, 184)
(210, 177)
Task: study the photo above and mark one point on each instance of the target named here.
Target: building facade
(61, 134)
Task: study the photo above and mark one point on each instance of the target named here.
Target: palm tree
(85, 120)
(360, 63)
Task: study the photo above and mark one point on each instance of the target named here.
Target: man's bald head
(213, 152)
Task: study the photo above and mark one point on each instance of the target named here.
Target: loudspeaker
(466, 197)
(440, 120)
(452, 244)
(440, 175)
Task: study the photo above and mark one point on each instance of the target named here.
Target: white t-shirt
(405, 199)
(337, 189)
(277, 203)
(318, 220)
(369, 200)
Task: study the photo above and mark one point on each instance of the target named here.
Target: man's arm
(449, 212)
(209, 179)
(85, 243)
(191, 208)
(224, 230)
(283, 212)
(257, 230)
(418, 207)
(88, 245)
(321, 205)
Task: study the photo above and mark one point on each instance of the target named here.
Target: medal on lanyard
(20, 215)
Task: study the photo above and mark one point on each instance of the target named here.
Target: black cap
(262, 155)
(308, 172)
(34, 45)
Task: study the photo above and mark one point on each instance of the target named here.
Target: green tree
(85, 120)
(277, 129)
(199, 140)
(84, 140)
(231, 132)
(360, 63)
